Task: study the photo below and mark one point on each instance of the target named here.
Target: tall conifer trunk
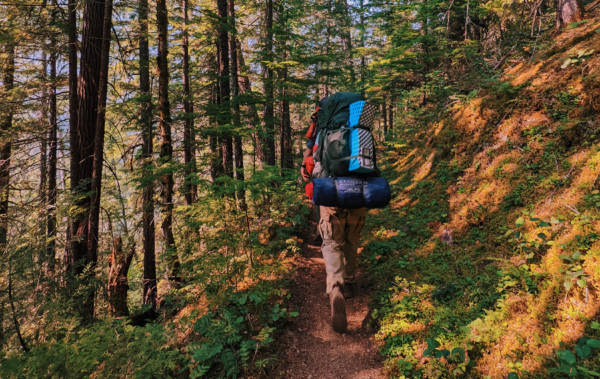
(189, 158)
(44, 146)
(83, 148)
(52, 163)
(384, 112)
(285, 136)
(148, 233)
(235, 90)
(98, 161)
(216, 153)
(166, 146)
(252, 117)
(267, 134)
(73, 118)
(391, 112)
(8, 80)
(225, 90)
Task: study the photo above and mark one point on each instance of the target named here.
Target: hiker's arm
(303, 172)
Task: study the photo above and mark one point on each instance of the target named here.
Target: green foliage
(514, 199)
(560, 106)
(107, 349)
(572, 365)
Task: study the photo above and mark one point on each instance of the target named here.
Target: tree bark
(52, 164)
(8, 80)
(98, 161)
(216, 153)
(252, 118)
(84, 146)
(44, 142)
(384, 112)
(189, 157)
(238, 150)
(267, 134)
(347, 39)
(285, 132)
(166, 147)
(568, 11)
(73, 119)
(148, 233)
(391, 113)
(118, 285)
(225, 90)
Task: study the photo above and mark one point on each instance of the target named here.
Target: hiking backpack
(343, 163)
(345, 146)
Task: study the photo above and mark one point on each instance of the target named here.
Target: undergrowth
(486, 262)
(220, 322)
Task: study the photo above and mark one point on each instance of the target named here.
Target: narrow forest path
(312, 349)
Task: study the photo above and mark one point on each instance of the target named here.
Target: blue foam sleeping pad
(351, 193)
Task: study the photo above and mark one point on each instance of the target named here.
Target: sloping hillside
(488, 261)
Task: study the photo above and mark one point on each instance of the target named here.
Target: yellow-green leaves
(577, 57)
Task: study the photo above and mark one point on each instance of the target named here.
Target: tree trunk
(216, 153)
(287, 158)
(267, 134)
(73, 118)
(84, 146)
(44, 142)
(189, 157)
(52, 164)
(362, 44)
(225, 90)
(94, 218)
(384, 112)
(252, 118)
(347, 39)
(391, 112)
(148, 233)
(235, 87)
(8, 80)
(568, 11)
(166, 147)
(118, 267)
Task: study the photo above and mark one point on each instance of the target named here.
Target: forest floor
(311, 348)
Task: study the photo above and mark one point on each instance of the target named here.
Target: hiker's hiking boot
(338, 309)
(348, 290)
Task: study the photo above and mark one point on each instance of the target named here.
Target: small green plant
(569, 364)
(577, 57)
(574, 271)
(514, 199)
(559, 107)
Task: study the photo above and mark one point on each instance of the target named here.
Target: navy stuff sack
(352, 193)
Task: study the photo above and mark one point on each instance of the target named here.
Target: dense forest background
(151, 207)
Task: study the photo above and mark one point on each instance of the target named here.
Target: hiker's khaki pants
(340, 229)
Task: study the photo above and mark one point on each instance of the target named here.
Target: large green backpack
(332, 156)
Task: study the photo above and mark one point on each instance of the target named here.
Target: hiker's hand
(304, 173)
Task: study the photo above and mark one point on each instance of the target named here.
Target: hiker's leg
(318, 239)
(349, 261)
(331, 227)
(354, 225)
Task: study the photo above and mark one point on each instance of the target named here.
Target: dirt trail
(313, 349)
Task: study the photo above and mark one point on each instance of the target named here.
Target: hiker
(340, 230)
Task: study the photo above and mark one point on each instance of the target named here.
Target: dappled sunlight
(469, 119)
(516, 176)
(525, 72)
(422, 172)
